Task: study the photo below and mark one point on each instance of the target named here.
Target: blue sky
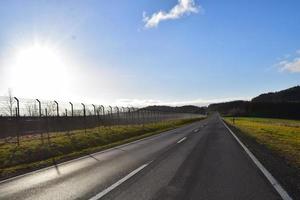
(223, 50)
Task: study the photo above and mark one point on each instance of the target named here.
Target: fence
(19, 117)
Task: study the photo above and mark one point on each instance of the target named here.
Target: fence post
(111, 113)
(84, 115)
(118, 114)
(17, 120)
(72, 111)
(57, 116)
(47, 125)
(94, 117)
(40, 117)
(98, 119)
(57, 109)
(103, 114)
(94, 109)
(132, 115)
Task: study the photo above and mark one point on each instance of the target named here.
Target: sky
(125, 52)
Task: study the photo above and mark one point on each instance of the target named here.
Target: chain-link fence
(19, 117)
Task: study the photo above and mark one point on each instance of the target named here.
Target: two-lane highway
(198, 161)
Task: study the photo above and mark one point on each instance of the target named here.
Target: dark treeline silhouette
(282, 104)
(288, 95)
(179, 109)
(285, 110)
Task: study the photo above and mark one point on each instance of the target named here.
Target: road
(198, 161)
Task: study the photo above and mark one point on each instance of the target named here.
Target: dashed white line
(181, 140)
(113, 186)
(196, 130)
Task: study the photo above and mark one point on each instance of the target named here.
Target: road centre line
(119, 182)
(181, 140)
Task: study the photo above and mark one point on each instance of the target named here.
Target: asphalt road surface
(198, 161)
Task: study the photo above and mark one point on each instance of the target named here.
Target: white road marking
(119, 182)
(284, 195)
(196, 130)
(181, 140)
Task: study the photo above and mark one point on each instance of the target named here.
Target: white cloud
(184, 7)
(196, 102)
(291, 65)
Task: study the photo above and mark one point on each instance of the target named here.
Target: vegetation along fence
(22, 117)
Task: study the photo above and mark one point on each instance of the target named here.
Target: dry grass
(280, 136)
(33, 154)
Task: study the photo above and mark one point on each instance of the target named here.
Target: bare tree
(10, 103)
(32, 109)
(51, 108)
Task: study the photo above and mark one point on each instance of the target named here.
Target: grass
(32, 154)
(280, 136)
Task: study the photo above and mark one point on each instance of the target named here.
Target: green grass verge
(280, 136)
(32, 154)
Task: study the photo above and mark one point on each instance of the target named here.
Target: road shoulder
(288, 176)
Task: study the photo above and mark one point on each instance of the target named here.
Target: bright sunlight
(39, 69)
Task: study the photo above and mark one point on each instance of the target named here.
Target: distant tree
(32, 109)
(10, 103)
(51, 108)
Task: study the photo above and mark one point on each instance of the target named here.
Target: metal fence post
(40, 118)
(94, 117)
(111, 114)
(72, 111)
(84, 116)
(94, 109)
(57, 108)
(17, 120)
(47, 125)
(103, 114)
(118, 114)
(57, 116)
(98, 119)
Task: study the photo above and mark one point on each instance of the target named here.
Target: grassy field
(33, 154)
(278, 135)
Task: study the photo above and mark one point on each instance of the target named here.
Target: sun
(39, 70)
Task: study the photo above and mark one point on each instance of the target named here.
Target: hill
(288, 95)
(282, 104)
(180, 109)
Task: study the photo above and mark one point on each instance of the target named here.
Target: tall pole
(18, 107)
(17, 120)
(72, 111)
(132, 114)
(40, 115)
(40, 107)
(47, 125)
(118, 113)
(111, 112)
(57, 109)
(103, 109)
(95, 113)
(94, 109)
(83, 109)
(124, 114)
(84, 117)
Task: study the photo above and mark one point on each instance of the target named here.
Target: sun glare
(39, 69)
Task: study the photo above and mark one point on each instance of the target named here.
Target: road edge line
(284, 195)
(119, 182)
